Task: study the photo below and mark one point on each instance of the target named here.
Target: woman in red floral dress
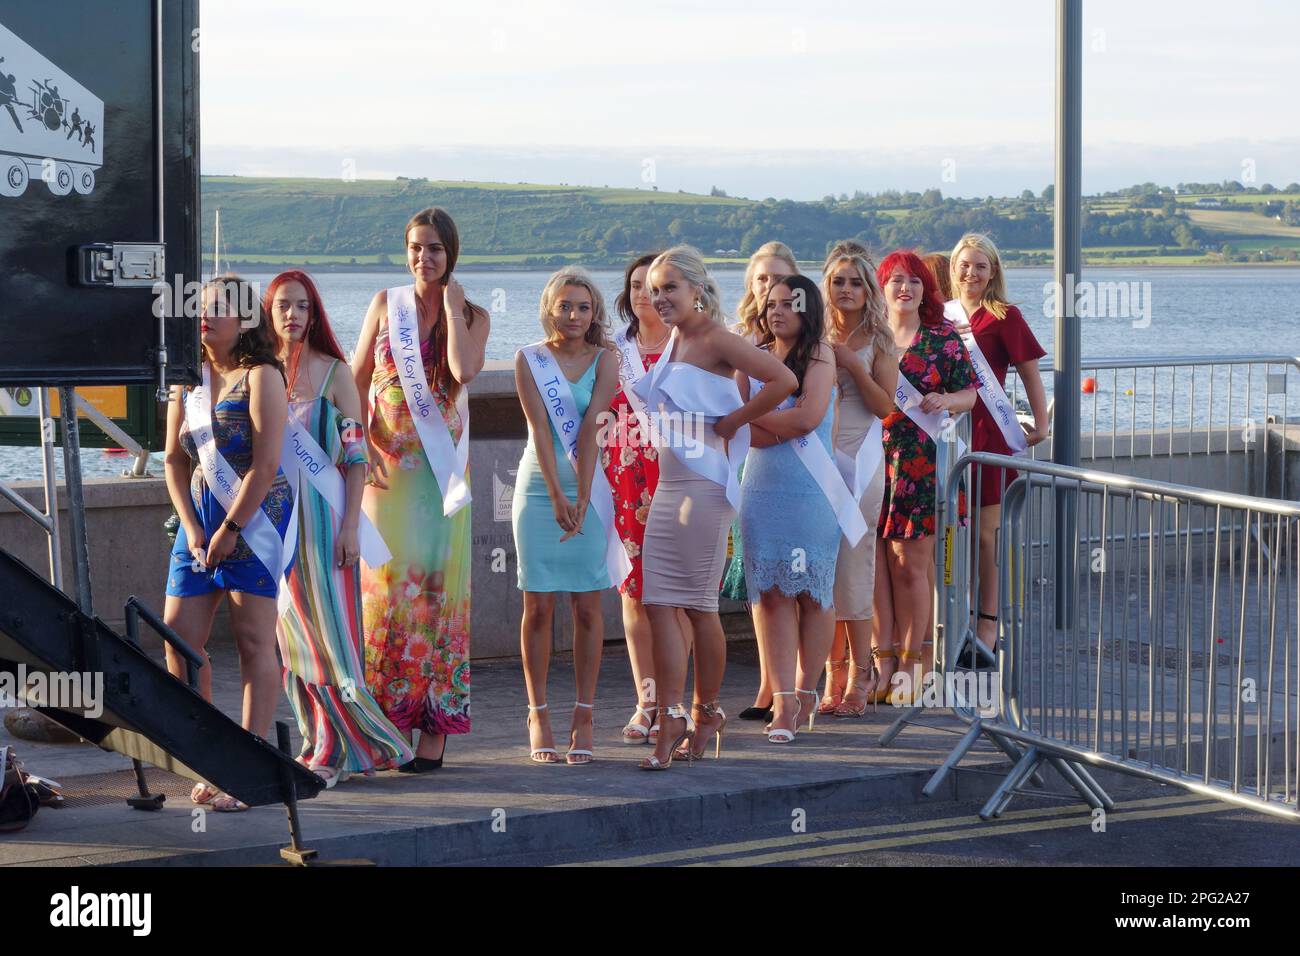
(631, 464)
(935, 362)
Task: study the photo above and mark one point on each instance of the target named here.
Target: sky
(790, 100)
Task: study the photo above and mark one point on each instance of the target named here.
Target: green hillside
(358, 224)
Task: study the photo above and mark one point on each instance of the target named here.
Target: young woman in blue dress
(560, 544)
(233, 552)
(790, 532)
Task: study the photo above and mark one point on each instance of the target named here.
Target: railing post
(1068, 263)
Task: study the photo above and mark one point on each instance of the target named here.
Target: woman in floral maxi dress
(416, 608)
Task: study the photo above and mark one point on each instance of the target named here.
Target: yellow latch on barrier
(947, 554)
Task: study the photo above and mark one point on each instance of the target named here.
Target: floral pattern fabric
(936, 361)
(632, 468)
(415, 608)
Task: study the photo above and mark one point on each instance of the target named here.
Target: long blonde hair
(875, 320)
(995, 293)
(598, 333)
(688, 261)
(748, 311)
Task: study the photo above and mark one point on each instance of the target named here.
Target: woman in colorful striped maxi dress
(343, 729)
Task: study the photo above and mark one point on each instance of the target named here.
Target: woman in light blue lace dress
(790, 535)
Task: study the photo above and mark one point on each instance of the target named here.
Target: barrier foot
(1091, 783)
(1027, 764)
(146, 800)
(897, 726)
(1014, 754)
(1068, 774)
(963, 747)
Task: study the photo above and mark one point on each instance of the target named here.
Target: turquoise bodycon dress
(546, 564)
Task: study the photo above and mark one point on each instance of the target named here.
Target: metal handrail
(193, 659)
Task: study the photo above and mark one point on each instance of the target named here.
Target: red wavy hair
(932, 300)
(320, 334)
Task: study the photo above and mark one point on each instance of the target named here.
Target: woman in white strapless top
(686, 533)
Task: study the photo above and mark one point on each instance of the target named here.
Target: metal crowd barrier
(1163, 417)
(1145, 627)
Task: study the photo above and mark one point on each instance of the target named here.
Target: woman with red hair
(935, 380)
(343, 729)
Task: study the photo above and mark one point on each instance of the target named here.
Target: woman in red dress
(1005, 339)
(631, 464)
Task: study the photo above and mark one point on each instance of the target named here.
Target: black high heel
(424, 764)
(756, 713)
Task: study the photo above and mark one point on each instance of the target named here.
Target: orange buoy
(1089, 386)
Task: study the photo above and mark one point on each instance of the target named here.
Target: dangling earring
(699, 306)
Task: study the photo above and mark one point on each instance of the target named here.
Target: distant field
(1240, 223)
(1253, 199)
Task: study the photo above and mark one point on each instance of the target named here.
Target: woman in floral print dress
(416, 608)
(935, 362)
(631, 464)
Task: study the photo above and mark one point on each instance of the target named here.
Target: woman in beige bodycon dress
(693, 399)
(868, 374)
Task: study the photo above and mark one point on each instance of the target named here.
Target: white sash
(707, 461)
(991, 393)
(630, 372)
(908, 399)
(224, 484)
(304, 457)
(557, 394)
(860, 469)
(814, 456)
(449, 462)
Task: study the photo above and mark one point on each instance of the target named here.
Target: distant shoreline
(260, 265)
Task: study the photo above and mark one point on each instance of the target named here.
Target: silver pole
(1068, 259)
(76, 500)
(51, 486)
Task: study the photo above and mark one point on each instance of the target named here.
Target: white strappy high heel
(780, 735)
(537, 754)
(573, 751)
(812, 712)
(638, 733)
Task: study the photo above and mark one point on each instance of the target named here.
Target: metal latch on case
(121, 265)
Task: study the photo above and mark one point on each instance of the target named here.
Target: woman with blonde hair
(702, 436)
(565, 383)
(997, 336)
(867, 374)
(771, 262)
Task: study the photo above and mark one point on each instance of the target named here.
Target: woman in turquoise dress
(790, 533)
(560, 545)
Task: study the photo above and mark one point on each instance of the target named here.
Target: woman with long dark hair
(631, 464)
(789, 525)
(343, 729)
(419, 348)
(235, 507)
(770, 262)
